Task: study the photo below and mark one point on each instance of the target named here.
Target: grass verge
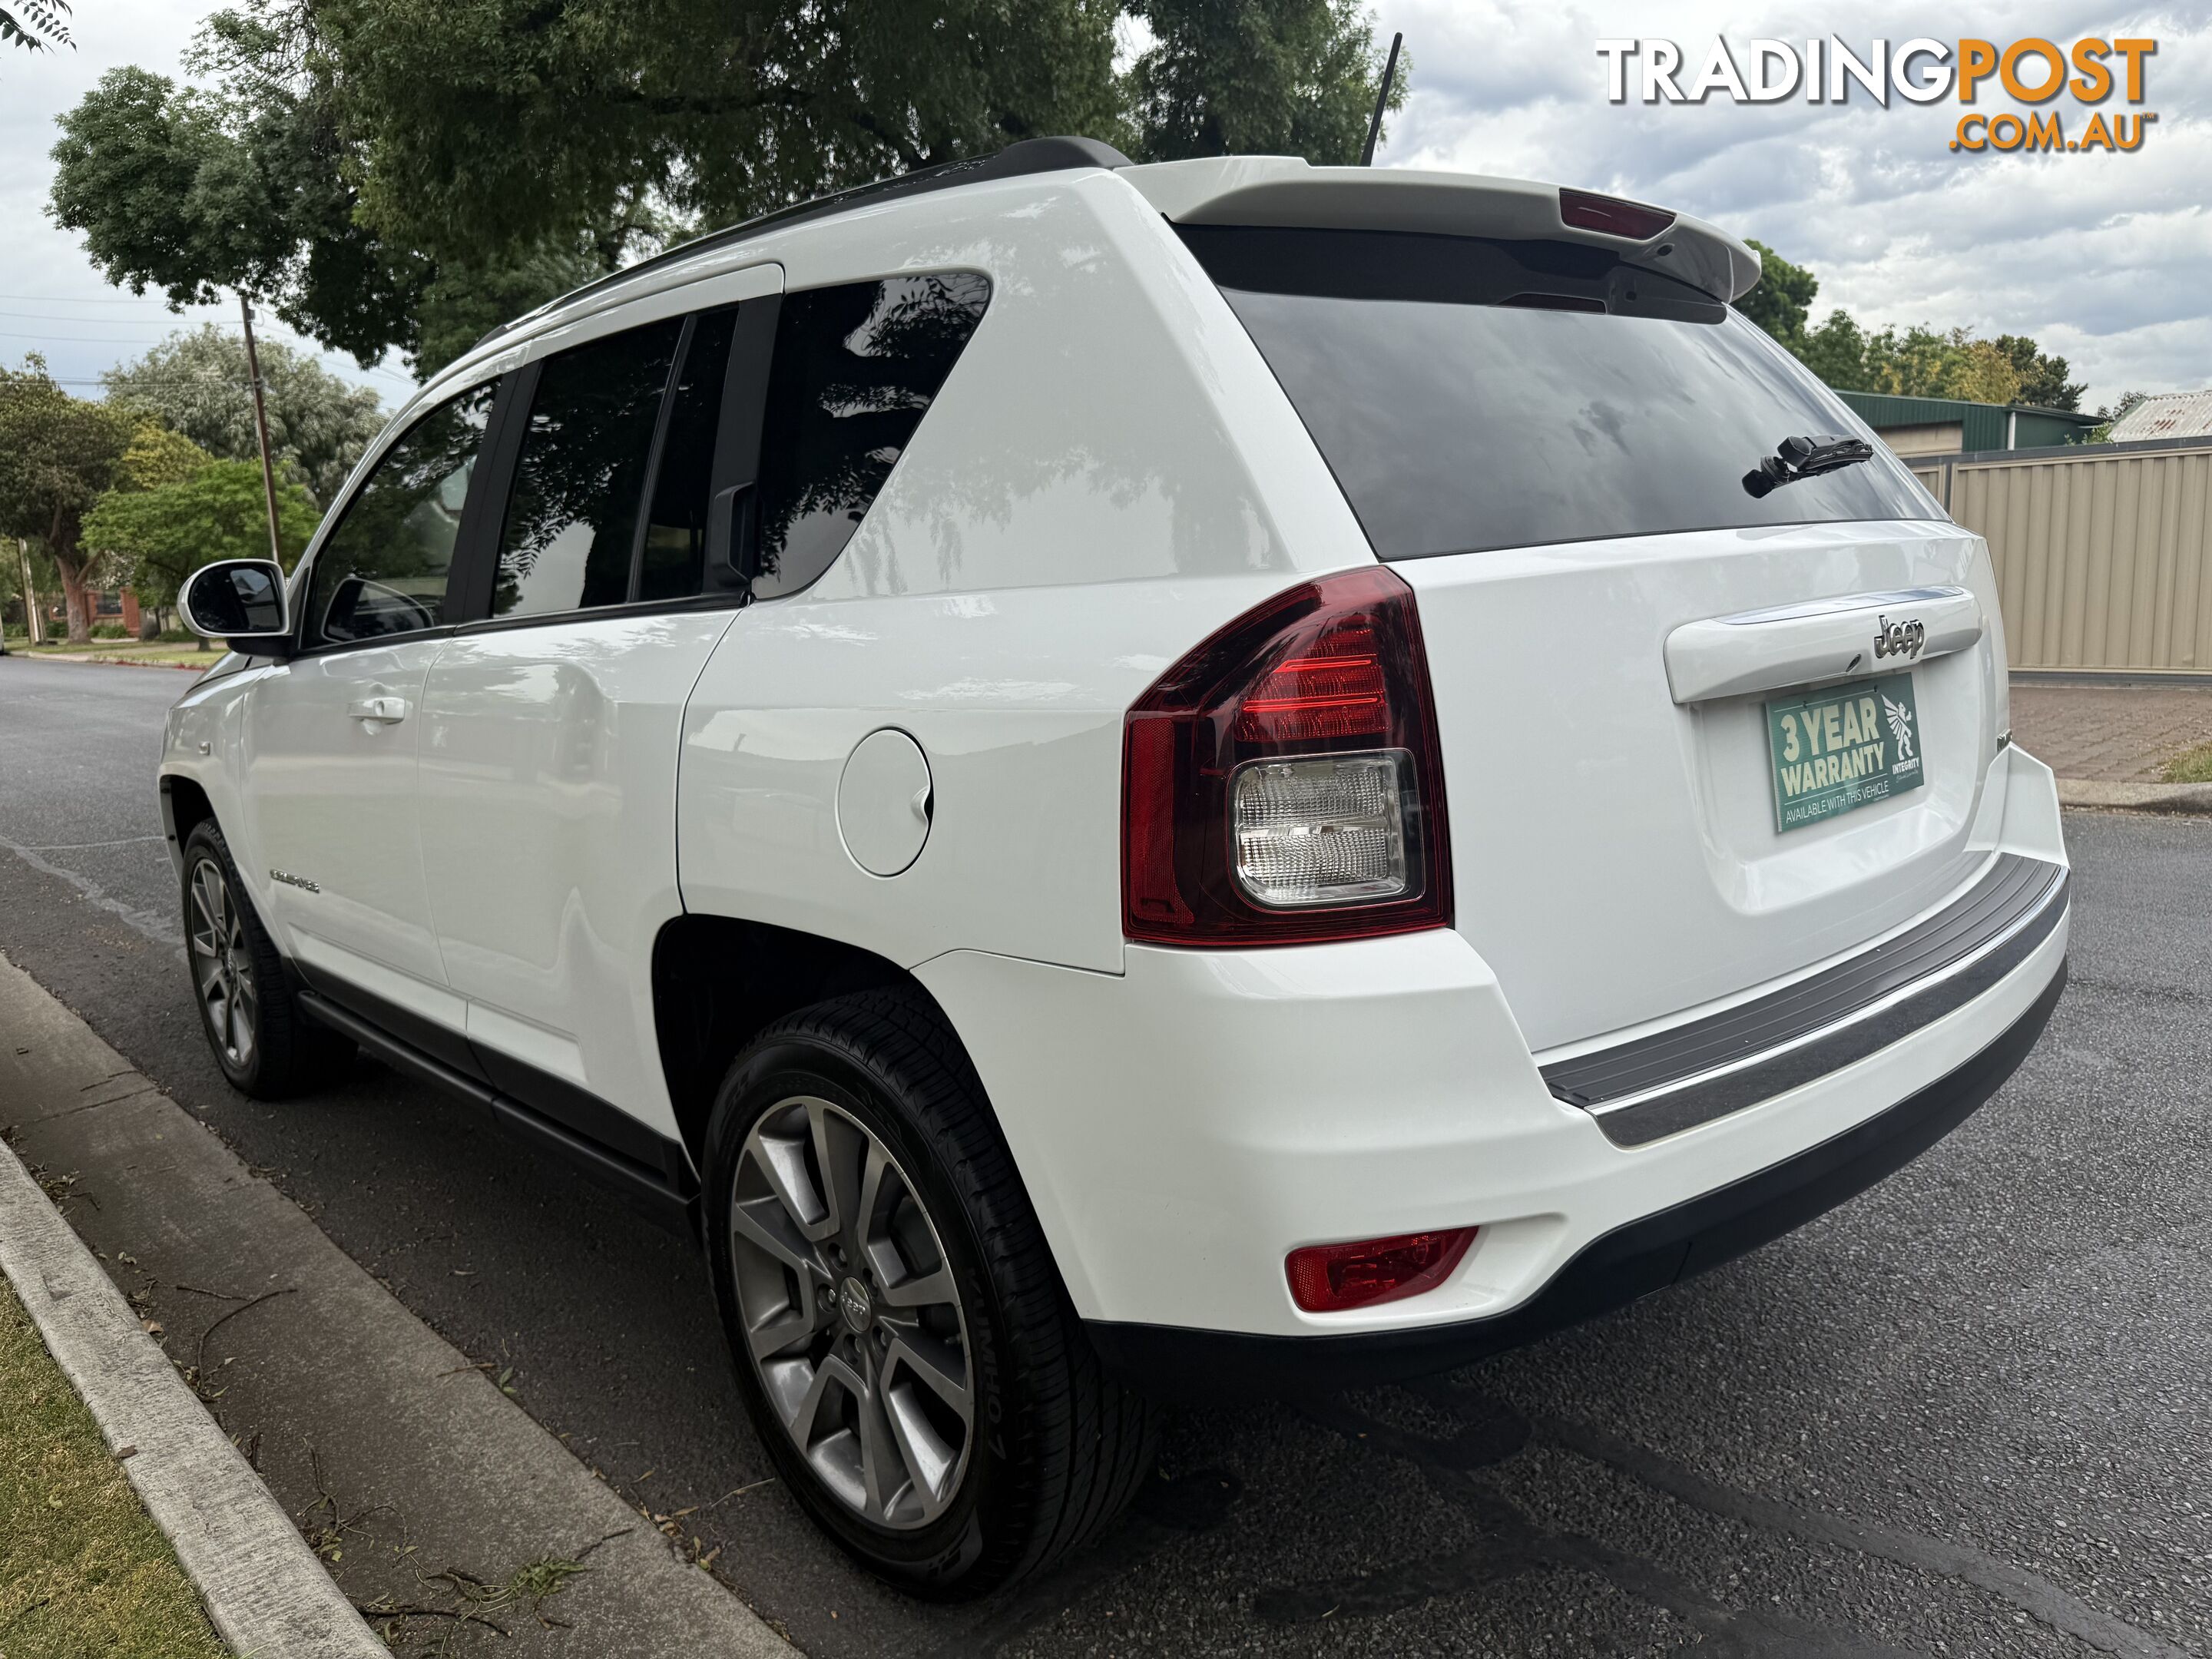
(83, 1570)
(2191, 765)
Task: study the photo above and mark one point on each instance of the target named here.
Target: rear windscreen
(1472, 394)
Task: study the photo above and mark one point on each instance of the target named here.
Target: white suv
(912, 739)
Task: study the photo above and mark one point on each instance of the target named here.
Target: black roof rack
(1030, 156)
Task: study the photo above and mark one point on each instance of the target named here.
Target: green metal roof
(1982, 426)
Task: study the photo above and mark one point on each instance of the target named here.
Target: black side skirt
(649, 1173)
(1632, 1261)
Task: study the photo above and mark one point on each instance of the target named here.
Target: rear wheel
(902, 1338)
(267, 1045)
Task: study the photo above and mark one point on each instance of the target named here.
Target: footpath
(2110, 742)
(344, 1478)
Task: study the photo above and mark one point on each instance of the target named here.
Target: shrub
(176, 636)
(110, 630)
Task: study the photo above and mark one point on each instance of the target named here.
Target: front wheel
(268, 1046)
(902, 1338)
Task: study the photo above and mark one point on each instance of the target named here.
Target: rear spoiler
(1286, 192)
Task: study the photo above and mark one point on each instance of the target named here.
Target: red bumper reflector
(1331, 1278)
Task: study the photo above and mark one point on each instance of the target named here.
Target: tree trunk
(76, 598)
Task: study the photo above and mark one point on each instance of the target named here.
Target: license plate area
(1833, 750)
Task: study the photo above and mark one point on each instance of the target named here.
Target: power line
(129, 322)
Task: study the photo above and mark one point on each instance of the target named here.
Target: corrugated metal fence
(2103, 551)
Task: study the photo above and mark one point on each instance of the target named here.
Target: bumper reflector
(1332, 1278)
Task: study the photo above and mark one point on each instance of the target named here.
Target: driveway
(1967, 1413)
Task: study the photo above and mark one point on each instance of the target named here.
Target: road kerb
(2189, 799)
(264, 1590)
(401, 1417)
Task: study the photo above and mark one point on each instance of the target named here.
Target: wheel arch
(184, 807)
(719, 981)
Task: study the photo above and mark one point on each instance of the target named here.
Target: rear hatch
(1699, 734)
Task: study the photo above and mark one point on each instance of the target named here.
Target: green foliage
(158, 456)
(110, 630)
(195, 382)
(163, 535)
(1783, 297)
(1282, 77)
(1919, 361)
(56, 454)
(410, 172)
(36, 25)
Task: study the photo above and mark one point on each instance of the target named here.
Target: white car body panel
(548, 755)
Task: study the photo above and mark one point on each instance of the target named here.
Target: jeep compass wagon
(1109, 781)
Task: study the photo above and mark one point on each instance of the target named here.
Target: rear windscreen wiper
(1804, 458)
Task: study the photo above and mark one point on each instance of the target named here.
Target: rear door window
(384, 570)
(856, 368)
(1472, 394)
(569, 537)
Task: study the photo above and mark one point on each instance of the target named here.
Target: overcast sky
(2104, 259)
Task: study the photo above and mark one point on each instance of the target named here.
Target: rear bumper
(1183, 1125)
(1629, 1262)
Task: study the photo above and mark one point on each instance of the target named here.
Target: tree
(1782, 300)
(195, 382)
(36, 25)
(405, 173)
(2042, 378)
(1225, 77)
(214, 511)
(56, 454)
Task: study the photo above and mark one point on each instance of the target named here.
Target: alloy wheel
(853, 1320)
(222, 963)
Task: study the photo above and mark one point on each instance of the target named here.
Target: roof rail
(1016, 159)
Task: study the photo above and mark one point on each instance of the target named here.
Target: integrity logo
(1921, 70)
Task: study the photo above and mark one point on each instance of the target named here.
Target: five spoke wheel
(851, 1319)
(222, 963)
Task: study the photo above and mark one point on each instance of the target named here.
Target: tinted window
(673, 561)
(1472, 394)
(856, 368)
(383, 570)
(571, 525)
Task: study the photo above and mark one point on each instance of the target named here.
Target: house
(2169, 414)
(1946, 426)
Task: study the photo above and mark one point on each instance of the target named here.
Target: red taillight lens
(1612, 215)
(1331, 1278)
(1281, 784)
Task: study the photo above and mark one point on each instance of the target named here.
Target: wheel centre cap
(856, 1304)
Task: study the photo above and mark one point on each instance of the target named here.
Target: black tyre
(899, 1333)
(268, 1046)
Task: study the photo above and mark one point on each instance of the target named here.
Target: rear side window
(1472, 394)
(572, 514)
(856, 368)
(383, 571)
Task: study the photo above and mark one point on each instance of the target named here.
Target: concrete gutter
(2173, 798)
(415, 1472)
(264, 1590)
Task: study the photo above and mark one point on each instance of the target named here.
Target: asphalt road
(1970, 1412)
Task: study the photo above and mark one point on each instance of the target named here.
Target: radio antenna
(1381, 102)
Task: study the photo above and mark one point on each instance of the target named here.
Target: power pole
(35, 634)
(261, 425)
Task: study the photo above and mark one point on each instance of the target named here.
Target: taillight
(1281, 784)
(1612, 215)
(1331, 1278)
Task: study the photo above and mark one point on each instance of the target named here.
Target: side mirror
(241, 603)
